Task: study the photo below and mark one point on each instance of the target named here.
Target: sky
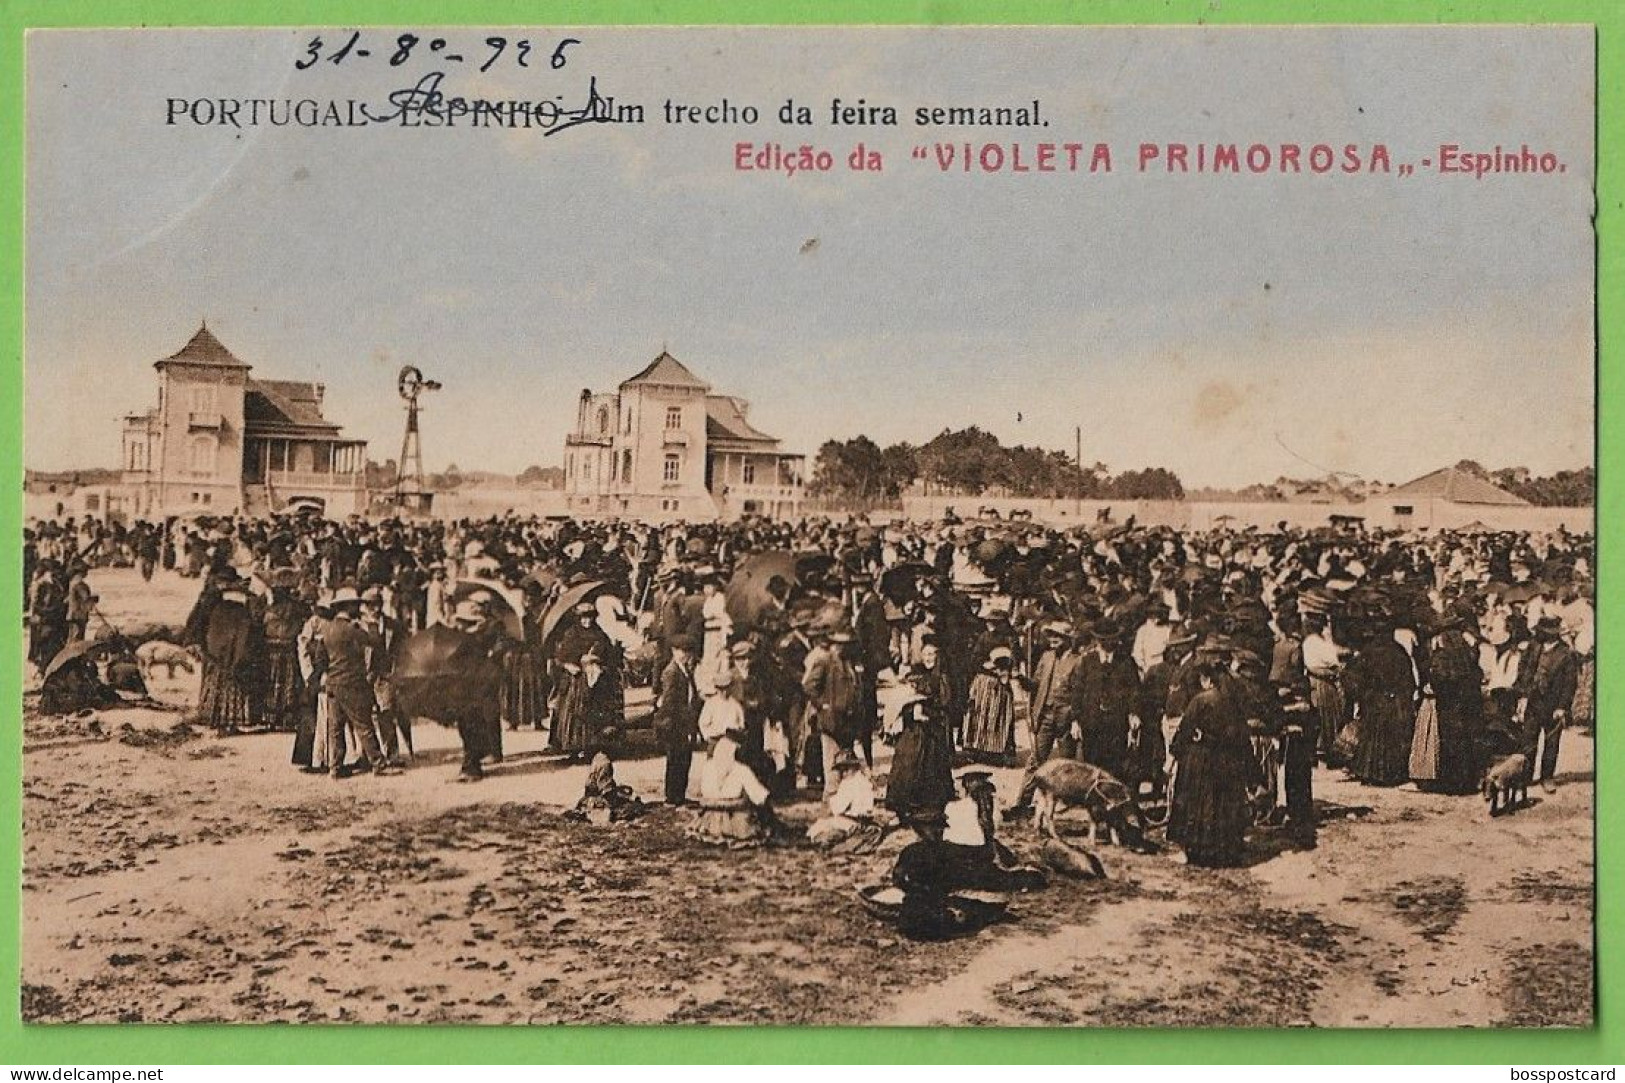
(1232, 329)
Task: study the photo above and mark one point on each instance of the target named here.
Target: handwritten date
(521, 52)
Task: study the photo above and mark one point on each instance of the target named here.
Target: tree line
(1564, 489)
(973, 462)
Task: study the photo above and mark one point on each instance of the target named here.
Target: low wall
(1191, 515)
(484, 501)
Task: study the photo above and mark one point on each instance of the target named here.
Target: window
(674, 417)
(202, 455)
(626, 425)
(750, 472)
(671, 468)
(626, 464)
(202, 400)
(586, 469)
(92, 502)
(614, 467)
(603, 419)
(207, 497)
(1403, 509)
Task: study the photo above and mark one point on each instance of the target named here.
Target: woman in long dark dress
(1213, 749)
(922, 781)
(524, 676)
(1458, 696)
(232, 646)
(590, 712)
(1383, 683)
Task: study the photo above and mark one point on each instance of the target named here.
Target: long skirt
(310, 743)
(990, 720)
(728, 823)
(1584, 711)
(46, 640)
(223, 701)
(1383, 755)
(1326, 694)
(571, 727)
(1209, 815)
(1463, 746)
(524, 690)
(284, 686)
(1425, 743)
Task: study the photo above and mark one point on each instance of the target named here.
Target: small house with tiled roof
(222, 441)
(663, 446)
(1446, 499)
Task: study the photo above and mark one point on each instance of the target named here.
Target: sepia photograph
(885, 526)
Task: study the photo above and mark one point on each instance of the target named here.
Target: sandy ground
(176, 876)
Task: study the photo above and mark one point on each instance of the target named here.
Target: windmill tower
(410, 491)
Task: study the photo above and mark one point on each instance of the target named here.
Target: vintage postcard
(915, 525)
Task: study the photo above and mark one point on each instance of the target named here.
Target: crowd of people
(1209, 671)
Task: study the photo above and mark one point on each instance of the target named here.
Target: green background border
(310, 1044)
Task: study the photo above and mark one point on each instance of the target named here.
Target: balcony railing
(311, 479)
(589, 439)
(757, 491)
(207, 420)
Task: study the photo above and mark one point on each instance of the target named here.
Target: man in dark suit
(1553, 671)
(394, 728)
(350, 701)
(677, 718)
(1104, 690)
(873, 642)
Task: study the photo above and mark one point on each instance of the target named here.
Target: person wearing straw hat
(350, 702)
(722, 712)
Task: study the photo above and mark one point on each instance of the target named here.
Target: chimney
(321, 392)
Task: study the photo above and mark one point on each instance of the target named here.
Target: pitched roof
(669, 372)
(204, 349)
(1458, 487)
(725, 420)
(283, 404)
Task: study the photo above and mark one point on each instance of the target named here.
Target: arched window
(603, 419)
(626, 464)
